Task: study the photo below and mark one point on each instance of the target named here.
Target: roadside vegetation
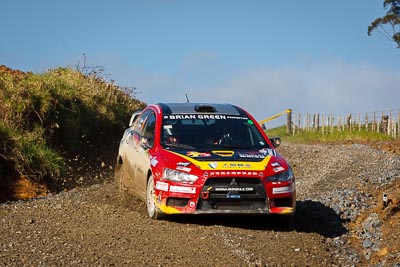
(48, 118)
(328, 137)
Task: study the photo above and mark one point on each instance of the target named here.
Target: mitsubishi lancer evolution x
(202, 158)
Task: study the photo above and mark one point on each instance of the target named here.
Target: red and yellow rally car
(198, 158)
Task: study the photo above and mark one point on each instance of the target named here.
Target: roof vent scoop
(205, 108)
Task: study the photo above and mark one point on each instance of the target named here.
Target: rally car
(201, 158)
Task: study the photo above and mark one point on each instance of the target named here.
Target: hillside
(56, 125)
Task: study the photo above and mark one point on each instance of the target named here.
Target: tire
(153, 211)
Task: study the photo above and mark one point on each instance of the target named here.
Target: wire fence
(278, 122)
(384, 121)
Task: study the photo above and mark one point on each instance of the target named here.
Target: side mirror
(147, 142)
(150, 142)
(276, 141)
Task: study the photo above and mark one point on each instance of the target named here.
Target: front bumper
(229, 196)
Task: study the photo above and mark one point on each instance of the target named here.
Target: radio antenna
(187, 98)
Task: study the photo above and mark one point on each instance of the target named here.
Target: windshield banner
(203, 116)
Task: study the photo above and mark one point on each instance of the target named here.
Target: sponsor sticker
(281, 190)
(184, 164)
(182, 189)
(198, 154)
(162, 186)
(252, 156)
(275, 164)
(235, 188)
(153, 161)
(278, 169)
(195, 116)
(237, 166)
(205, 116)
(213, 165)
(236, 117)
(185, 169)
(238, 173)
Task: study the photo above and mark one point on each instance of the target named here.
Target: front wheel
(153, 211)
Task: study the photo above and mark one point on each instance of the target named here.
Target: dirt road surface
(338, 186)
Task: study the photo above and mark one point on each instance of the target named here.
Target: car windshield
(203, 131)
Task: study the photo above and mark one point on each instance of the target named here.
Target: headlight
(178, 176)
(282, 177)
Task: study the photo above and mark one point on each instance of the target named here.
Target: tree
(388, 25)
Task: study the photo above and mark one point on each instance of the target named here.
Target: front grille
(231, 205)
(232, 194)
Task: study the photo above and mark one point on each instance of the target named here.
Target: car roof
(190, 108)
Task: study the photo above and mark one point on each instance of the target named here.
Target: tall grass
(335, 136)
(46, 117)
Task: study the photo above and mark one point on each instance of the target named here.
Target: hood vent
(223, 153)
(205, 108)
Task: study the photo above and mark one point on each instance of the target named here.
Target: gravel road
(98, 226)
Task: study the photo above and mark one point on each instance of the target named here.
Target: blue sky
(266, 56)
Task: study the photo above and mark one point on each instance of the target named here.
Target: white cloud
(336, 87)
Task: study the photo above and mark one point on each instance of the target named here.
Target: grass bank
(46, 119)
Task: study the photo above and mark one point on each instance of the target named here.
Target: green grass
(48, 117)
(335, 136)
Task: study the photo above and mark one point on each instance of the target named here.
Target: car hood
(225, 162)
(250, 155)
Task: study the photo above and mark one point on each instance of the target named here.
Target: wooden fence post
(384, 124)
(289, 122)
(313, 122)
(389, 132)
(349, 122)
(398, 124)
(328, 126)
(299, 121)
(294, 125)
